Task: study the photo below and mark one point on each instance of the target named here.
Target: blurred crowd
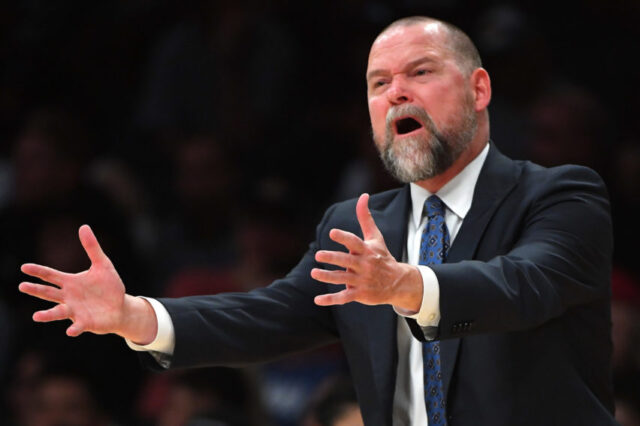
(195, 139)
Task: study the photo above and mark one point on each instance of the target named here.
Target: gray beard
(423, 156)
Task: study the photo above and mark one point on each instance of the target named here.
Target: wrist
(139, 323)
(408, 289)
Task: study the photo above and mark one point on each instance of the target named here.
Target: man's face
(421, 105)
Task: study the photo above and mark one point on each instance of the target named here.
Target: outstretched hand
(94, 300)
(371, 274)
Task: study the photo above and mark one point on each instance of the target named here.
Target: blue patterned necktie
(433, 250)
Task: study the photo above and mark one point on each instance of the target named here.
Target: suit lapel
(391, 219)
(497, 178)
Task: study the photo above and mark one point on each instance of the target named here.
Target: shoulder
(542, 181)
(570, 199)
(570, 172)
(533, 192)
(529, 176)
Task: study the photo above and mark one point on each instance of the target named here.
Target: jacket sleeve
(561, 259)
(235, 329)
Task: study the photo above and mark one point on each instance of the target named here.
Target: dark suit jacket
(524, 300)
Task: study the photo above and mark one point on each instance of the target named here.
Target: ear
(481, 87)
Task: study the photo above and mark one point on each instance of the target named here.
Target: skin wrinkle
(456, 42)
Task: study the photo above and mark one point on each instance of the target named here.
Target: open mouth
(407, 125)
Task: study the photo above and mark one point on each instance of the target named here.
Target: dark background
(195, 138)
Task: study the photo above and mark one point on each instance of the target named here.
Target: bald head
(457, 42)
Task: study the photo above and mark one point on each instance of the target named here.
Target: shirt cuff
(429, 313)
(165, 340)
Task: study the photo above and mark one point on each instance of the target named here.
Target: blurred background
(194, 137)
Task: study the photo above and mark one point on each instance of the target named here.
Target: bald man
(476, 294)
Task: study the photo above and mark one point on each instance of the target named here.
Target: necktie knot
(434, 207)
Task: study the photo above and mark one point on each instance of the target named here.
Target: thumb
(367, 224)
(91, 245)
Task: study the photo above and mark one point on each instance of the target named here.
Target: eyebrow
(412, 64)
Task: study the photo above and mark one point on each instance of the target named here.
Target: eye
(377, 84)
(421, 71)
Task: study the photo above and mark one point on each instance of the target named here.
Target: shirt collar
(457, 194)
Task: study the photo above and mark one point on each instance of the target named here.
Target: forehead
(402, 44)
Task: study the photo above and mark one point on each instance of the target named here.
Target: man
(511, 291)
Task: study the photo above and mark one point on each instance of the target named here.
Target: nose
(398, 92)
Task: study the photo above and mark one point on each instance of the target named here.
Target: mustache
(404, 110)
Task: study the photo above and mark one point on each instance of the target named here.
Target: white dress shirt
(408, 404)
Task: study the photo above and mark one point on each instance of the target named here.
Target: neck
(474, 148)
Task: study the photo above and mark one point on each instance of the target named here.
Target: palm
(92, 299)
(96, 299)
(370, 273)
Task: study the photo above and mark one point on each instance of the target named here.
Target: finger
(74, 330)
(91, 245)
(351, 241)
(332, 277)
(338, 258)
(367, 224)
(57, 313)
(45, 273)
(339, 298)
(45, 292)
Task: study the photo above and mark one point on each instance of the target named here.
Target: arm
(232, 328)
(560, 259)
